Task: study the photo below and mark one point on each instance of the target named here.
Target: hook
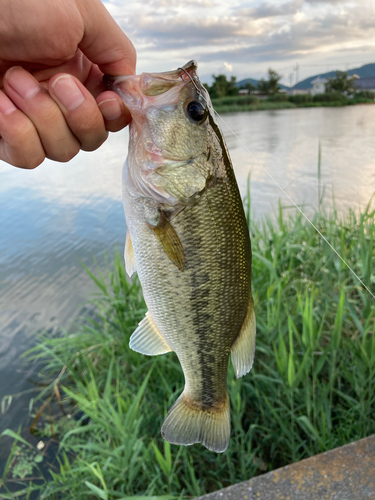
(191, 79)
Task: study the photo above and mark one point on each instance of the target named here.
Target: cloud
(272, 10)
(315, 2)
(188, 31)
(245, 33)
(183, 3)
(302, 38)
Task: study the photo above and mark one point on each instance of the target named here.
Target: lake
(59, 215)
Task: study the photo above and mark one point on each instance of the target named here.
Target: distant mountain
(247, 80)
(255, 83)
(366, 71)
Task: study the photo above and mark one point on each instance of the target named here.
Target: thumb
(104, 42)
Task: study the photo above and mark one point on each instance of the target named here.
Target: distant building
(243, 91)
(318, 86)
(299, 91)
(365, 84)
(260, 94)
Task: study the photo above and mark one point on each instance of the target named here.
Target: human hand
(53, 54)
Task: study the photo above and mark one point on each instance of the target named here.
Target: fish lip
(189, 68)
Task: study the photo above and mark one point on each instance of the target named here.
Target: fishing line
(281, 189)
(297, 207)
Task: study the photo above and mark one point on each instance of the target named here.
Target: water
(59, 215)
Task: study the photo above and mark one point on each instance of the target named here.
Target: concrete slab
(345, 473)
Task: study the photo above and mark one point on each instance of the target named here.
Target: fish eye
(197, 111)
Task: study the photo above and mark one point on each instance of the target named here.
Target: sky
(245, 38)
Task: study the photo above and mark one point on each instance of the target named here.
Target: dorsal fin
(147, 339)
(244, 345)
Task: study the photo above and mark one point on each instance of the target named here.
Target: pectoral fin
(244, 345)
(147, 339)
(170, 242)
(130, 265)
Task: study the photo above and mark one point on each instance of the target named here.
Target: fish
(188, 240)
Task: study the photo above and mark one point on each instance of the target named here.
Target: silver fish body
(189, 242)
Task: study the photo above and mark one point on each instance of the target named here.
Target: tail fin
(186, 423)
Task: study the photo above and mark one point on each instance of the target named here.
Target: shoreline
(250, 102)
(271, 106)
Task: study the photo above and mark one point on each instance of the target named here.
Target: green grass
(231, 104)
(310, 390)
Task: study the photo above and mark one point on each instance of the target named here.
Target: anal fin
(243, 347)
(129, 257)
(147, 339)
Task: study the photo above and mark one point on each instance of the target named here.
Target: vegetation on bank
(222, 87)
(342, 83)
(340, 91)
(282, 101)
(310, 390)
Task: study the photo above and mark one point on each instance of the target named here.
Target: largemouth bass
(189, 242)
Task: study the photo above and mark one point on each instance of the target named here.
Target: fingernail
(6, 105)
(22, 82)
(110, 109)
(67, 92)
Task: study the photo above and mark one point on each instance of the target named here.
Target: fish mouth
(147, 89)
(155, 83)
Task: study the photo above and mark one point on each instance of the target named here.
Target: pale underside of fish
(189, 242)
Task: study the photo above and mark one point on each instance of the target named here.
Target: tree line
(222, 86)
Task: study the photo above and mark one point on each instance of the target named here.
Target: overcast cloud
(245, 38)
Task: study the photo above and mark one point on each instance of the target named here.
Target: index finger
(104, 42)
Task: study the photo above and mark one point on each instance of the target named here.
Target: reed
(311, 388)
